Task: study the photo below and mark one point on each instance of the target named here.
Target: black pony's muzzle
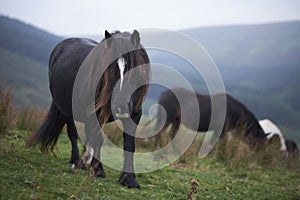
(122, 111)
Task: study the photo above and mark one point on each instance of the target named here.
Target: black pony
(115, 57)
(236, 115)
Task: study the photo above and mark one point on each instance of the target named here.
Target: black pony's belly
(61, 90)
(65, 61)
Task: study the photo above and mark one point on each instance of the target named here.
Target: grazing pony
(236, 115)
(116, 56)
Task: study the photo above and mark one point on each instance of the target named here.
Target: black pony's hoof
(77, 164)
(98, 169)
(99, 172)
(128, 180)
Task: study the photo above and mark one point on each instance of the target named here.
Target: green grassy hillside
(28, 174)
(232, 171)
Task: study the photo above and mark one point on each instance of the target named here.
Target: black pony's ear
(107, 36)
(135, 38)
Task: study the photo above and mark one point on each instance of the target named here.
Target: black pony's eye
(114, 69)
(117, 73)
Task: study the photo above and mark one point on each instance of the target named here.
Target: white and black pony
(236, 115)
(117, 54)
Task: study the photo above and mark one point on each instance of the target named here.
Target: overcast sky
(85, 17)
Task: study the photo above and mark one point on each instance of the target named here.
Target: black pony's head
(124, 82)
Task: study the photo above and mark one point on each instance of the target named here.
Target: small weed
(194, 185)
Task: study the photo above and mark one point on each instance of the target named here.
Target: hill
(260, 65)
(263, 45)
(24, 54)
(26, 40)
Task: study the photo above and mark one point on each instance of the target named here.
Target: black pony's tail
(47, 134)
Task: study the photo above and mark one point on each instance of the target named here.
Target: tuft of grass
(30, 119)
(6, 110)
(236, 154)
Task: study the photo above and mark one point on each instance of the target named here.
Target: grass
(6, 109)
(26, 173)
(30, 119)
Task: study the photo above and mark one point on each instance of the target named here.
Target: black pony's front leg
(96, 161)
(128, 177)
(94, 139)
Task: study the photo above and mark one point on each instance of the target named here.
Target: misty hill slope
(24, 54)
(267, 45)
(26, 40)
(265, 57)
(260, 65)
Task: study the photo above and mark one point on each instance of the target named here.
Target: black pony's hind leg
(73, 136)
